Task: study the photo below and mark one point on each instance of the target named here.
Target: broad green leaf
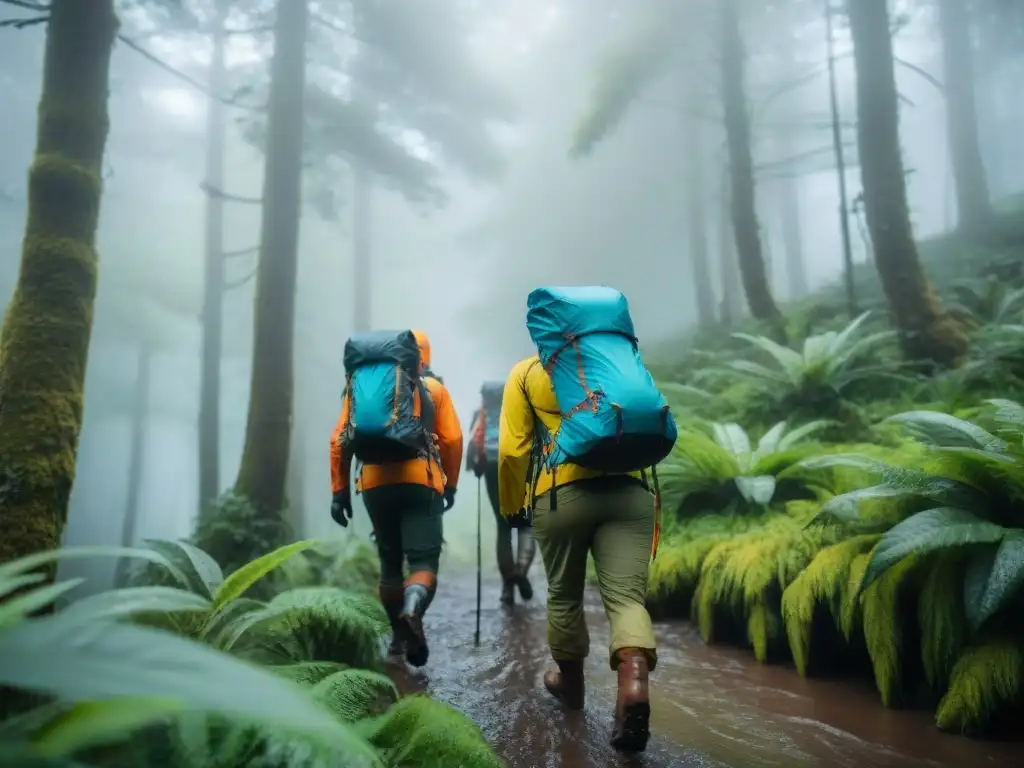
(92, 723)
(239, 581)
(732, 438)
(202, 574)
(122, 603)
(1003, 571)
(756, 490)
(926, 532)
(769, 442)
(219, 627)
(24, 565)
(10, 585)
(24, 605)
(944, 430)
(89, 661)
(801, 433)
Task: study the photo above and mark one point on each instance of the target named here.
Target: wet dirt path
(710, 706)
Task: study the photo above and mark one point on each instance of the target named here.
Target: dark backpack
(390, 415)
(490, 413)
(614, 419)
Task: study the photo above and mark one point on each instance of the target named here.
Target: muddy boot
(393, 608)
(565, 683)
(411, 624)
(632, 705)
(508, 592)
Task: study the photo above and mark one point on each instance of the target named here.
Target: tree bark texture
(730, 307)
(44, 345)
(741, 168)
(969, 178)
(927, 331)
(211, 352)
(263, 472)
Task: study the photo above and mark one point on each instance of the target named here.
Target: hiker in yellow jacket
(609, 515)
(405, 501)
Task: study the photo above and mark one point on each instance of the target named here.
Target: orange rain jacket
(417, 471)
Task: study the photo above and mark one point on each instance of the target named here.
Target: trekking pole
(479, 567)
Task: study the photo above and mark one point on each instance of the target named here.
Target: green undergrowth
(206, 669)
(886, 537)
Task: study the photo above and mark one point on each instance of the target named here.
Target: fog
(460, 270)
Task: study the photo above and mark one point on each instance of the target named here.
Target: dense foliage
(889, 539)
(196, 672)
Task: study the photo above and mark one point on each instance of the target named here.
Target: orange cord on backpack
(657, 524)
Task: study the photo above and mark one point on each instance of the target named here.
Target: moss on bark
(45, 340)
(927, 331)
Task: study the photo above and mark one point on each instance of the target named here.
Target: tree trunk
(44, 345)
(927, 332)
(295, 484)
(703, 288)
(213, 284)
(792, 238)
(728, 269)
(264, 468)
(970, 182)
(362, 212)
(741, 167)
(136, 458)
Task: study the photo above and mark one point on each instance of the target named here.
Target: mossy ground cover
(880, 528)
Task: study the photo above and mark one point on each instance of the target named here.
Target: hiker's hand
(479, 465)
(520, 519)
(341, 507)
(449, 498)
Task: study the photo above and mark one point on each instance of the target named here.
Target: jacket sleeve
(515, 441)
(448, 432)
(341, 464)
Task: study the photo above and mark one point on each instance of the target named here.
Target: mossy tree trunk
(970, 181)
(213, 277)
(264, 469)
(741, 170)
(45, 340)
(927, 331)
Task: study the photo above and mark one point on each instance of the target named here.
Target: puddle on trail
(711, 707)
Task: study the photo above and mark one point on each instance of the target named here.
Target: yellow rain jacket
(529, 395)
(426, 472)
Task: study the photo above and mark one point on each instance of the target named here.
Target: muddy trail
(710, 706)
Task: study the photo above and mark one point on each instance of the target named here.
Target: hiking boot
(393, 608)
(508, 592)
(525, 587)
(632, 705)
(411, 624)
(565, 683)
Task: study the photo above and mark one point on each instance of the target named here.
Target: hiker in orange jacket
(405, 501)
(482, 459)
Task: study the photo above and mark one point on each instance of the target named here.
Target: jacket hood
(424, 344)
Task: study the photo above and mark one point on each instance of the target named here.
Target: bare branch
(250, 31)
(220, 194)
(240, 252)
(22, 23)
(922, 72)
(232, 284)
(188, 79)
(28, 5)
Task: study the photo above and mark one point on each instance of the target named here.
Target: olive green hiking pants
(407, 526)
(613, 518)
(508, 561)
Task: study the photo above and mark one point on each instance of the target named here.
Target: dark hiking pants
(407, 524)
(526, 548)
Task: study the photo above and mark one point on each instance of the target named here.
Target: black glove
(449, 498)
(341, 507)
(520, 519)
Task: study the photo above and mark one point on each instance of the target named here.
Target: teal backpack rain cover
(614, 418)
